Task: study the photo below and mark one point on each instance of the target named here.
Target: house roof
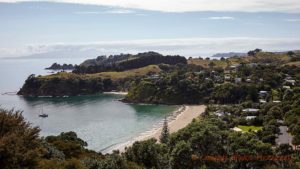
(250, 117)
(250, 110)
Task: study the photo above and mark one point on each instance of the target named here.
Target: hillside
(70, 84)
(284, 58)
(125, 62)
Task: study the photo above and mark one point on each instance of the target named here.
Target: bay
(101, 120)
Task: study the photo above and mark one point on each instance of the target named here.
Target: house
(250, 117)
(156, 76)
(288, 77)
(248, 80)
(286, 87)
(227, 71)
(250, 110)
(234, 66)
(221, 113)
(263, 93)
(262, 101)
(276, 101)
(238, 80)
(291, 81)
(227, 77)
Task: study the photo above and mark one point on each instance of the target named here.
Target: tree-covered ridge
(211, 86)
(124, 62)
(56, 66)
(254, 56)
(71, 84)
(64, 84)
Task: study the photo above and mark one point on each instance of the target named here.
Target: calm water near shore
(101, 120)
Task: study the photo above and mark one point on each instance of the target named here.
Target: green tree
(181, 156)
(19, 142)
(68, 143)
(164, 137)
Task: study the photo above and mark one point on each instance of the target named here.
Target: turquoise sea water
(101, 120)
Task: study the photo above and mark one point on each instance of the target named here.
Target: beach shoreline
(176, 121)
(118, 93)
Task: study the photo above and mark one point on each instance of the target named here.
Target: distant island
(230, 54)
(56, 66)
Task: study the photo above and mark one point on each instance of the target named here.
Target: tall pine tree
(164, 137)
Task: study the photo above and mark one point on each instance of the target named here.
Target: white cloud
(292, 20)
(221, 18)
(87, 12)
(114, 11)
(120, 11)
(186, 47)
(290, 6)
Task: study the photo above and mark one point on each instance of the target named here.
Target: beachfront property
(219, 113)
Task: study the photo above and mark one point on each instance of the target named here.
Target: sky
(88, 28)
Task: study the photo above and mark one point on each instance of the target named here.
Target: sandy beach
(183, 116)
(120, 93)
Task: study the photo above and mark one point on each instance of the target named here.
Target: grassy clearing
(205, 63)
(297, 63)
(246, 59)
(113, 75)
(248, 128)
(129, 73)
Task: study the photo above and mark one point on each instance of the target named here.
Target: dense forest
(209, 86)
(126, 61)
(68, 86)
(56, 66)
